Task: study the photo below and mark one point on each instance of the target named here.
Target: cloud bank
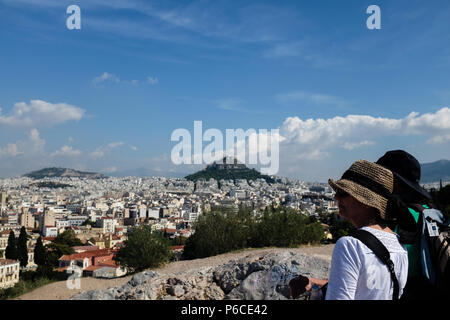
(41, 113)
(314, 137)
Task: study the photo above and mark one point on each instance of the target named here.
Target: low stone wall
(254, 277)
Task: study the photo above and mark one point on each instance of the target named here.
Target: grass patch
(24, 286)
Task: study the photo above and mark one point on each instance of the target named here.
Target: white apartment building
(107, 224)
(153, 213)
(62, 224)
(13, 219)
(9, 273)
(75, 221)
(50, 231)
(190, 216)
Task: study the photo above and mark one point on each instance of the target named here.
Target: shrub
(144, 249)
(223, 230)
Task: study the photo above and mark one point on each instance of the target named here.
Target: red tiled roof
(4, 262)
(87, 254)
(85, 248)
(108, 263)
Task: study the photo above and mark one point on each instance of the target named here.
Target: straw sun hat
(369, 183)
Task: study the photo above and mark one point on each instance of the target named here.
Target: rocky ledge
(254, 277)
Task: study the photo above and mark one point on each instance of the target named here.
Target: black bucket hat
(405, 167)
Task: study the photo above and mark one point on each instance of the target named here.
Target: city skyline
(107, 97)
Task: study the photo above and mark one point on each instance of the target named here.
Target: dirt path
(59, 291)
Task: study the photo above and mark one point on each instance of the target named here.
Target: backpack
(434, 232)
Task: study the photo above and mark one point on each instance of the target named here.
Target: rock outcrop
(255, 277)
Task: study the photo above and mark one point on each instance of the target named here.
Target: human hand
(312, 281)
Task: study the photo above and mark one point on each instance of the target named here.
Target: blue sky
(107, 97)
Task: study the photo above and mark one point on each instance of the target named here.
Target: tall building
(3, 199)
(47, 219)
(27, 220)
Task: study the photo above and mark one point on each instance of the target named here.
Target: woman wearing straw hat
(363, 195)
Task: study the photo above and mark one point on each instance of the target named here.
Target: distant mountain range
(435, 171)
(228, 171)
(431, 172)
(62, 172)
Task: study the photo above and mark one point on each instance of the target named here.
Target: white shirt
(357, 274)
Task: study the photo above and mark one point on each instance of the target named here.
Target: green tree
(40, 255)
(56, 251)
(441, 199)
(144, 249)
(22, 247)
(68, 238)
(340, 227)
(11, 248)
(88, 222)
(222, 230)
(62, 245)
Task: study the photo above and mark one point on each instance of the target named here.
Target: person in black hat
(406, 171)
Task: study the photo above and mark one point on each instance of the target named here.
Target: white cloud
(134, 148)
(29, 148)
(106, 77)
(41, 113)
(355, 145)
(101, 151)
(11, 150)
(97, 154)
(439, 139)
(152, 80)
(37, 144)
(316, 136)
(66, 151)
(113, 145)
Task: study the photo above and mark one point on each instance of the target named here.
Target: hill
(61, 173)
(435, 171)
(226, 171)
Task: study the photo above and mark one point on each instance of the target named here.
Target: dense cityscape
(102, 211)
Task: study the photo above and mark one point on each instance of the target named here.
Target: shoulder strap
(381, 252)
(416, 206)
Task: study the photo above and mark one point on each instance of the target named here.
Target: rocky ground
(247, 274)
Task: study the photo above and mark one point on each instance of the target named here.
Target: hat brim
(415, 186)
(362, 194)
